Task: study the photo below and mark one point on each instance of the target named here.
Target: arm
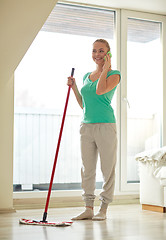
(105, 84)
(71, 82)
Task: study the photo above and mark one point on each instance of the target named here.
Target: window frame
(121, 186)
(125, 14)
(117, 42)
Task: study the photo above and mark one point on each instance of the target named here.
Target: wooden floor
(124, 222)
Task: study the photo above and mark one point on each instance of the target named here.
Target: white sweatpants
(98, 138)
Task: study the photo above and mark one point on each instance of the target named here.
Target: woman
(98, 129)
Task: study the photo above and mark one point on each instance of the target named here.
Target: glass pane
(144, 91)
(65, 41)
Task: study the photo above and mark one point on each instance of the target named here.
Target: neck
(99, 68)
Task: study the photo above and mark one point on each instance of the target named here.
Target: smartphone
(109, 53)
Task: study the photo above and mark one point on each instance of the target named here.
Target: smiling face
(99, 51)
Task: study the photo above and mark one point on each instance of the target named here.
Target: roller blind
(94, 22)
(78, 20)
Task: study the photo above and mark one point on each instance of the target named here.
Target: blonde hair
(103, 41)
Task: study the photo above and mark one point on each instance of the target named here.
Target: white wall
(20, 21)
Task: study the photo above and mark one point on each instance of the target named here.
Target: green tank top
(97, 108)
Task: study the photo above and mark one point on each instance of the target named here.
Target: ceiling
(151, 6)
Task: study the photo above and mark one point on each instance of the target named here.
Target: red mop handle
(57, 151)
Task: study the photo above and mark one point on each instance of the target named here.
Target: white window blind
(78, 20)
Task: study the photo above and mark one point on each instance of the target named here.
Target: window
(142, 98)
(144, 90)
(65, 41)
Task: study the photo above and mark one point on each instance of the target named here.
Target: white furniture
(152, 191)
(152, 171)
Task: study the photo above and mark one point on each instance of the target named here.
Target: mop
(44, 221)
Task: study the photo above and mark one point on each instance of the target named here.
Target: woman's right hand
(71, 81)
